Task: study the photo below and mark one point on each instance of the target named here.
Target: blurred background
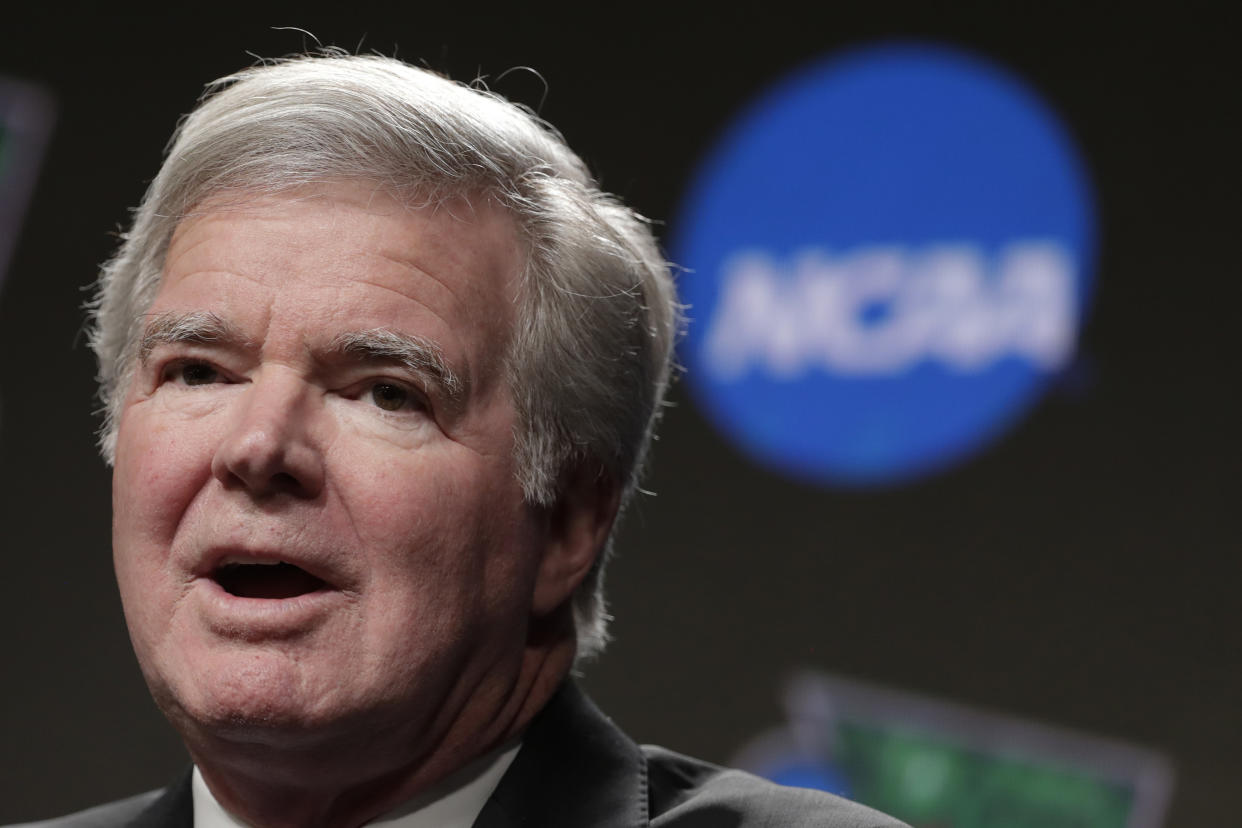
(977, 584)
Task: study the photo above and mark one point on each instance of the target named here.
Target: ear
(577, 528)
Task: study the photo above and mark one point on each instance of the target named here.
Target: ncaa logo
(889, 257)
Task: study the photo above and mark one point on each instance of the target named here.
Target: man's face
(317, 525)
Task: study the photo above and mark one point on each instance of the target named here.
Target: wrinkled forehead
(462, 257)
(451, 218)
(471, 235)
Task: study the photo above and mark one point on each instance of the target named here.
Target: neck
(349, 779)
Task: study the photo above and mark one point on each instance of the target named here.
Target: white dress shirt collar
(455, 803)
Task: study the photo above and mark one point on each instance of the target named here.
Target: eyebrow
(415, 353)
(199, 327)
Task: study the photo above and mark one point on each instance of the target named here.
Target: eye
(392, 397)
(191, 373)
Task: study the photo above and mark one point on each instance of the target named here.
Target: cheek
(445, 526)
(162, 464)
(159, 470)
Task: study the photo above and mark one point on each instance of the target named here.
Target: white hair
(588, 362)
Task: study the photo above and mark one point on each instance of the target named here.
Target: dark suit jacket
(577, 770)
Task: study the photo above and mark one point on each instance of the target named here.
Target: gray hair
(588, 362)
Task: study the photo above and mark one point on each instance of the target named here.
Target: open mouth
(274, 580)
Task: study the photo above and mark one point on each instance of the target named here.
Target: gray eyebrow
(195, 327)
(413, 352)
(419, 355)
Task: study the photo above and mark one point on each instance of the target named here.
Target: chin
(264, 698)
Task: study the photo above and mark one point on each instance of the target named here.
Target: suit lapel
(575, 770)
(173, 809)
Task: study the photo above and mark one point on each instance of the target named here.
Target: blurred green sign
(941, 765)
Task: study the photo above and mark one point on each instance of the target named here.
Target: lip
(316, 565)
(259, 619)
(239, 618)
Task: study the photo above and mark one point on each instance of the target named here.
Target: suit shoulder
(688, 793)
(108, 815)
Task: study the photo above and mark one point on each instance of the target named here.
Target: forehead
(348, 254)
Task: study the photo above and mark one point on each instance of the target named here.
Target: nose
(270, 447)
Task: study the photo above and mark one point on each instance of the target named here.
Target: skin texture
(444, 623)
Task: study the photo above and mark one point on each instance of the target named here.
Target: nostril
(271, 448)
(293, 468)
(284, 481)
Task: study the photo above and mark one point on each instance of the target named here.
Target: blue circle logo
(889, 257)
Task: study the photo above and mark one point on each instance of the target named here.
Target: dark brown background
(1083, 572)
